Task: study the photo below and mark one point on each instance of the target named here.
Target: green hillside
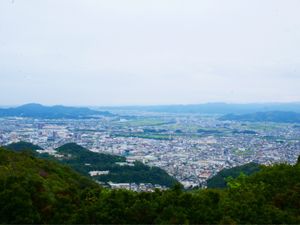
(22, 145)
(84, 161)
(219, 180)
(37, 191)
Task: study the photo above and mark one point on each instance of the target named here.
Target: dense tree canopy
(23, 146)
(220, 179)
(41, 191)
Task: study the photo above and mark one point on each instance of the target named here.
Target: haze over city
(149, 52)
(149, 112)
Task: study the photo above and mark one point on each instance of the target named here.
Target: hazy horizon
(158, 105)
(138, 52)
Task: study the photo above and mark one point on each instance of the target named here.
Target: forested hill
(272, 116)
(84, 161)
(220, 180)
(36, 191)
(22, 145)
(51, 112)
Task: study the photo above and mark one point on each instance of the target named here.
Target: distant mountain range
(39, 111)
(273, 116)
(51, 112)
(212, 108)
(83, 161)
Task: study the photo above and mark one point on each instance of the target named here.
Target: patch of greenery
(22, 145)
(146, 122)
(36, 191)
(220, 180)
(145, 136)
(84, 161)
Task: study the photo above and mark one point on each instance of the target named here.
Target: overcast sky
(129, 52)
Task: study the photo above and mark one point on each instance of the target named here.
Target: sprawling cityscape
(149, 112)
(190, 147)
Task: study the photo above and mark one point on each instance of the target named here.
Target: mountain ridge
(36, 110)
(269, 116)
(212, 108)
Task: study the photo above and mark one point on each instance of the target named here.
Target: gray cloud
(115, 52)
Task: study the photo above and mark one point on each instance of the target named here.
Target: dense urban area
(190, 147)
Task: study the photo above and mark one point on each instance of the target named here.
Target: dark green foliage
(84, 161)
(22, 145)
(36, 191)
(208, 132)
(244, 132)
(269, 196)
(139, 173)
(219, 180)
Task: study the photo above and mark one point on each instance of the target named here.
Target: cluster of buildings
(190, 155)
(136, 187)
